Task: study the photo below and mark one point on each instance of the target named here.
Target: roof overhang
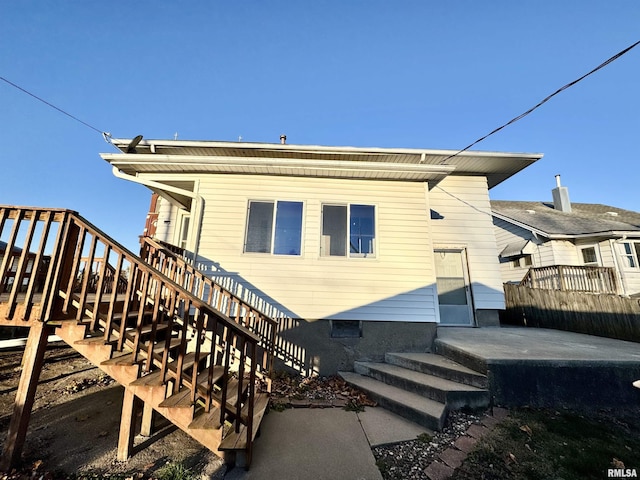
(179, 156)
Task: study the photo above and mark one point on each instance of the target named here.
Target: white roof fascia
(121, 160)
(329, 149)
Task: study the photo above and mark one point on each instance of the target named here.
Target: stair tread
(438, 361)
(155, 378)
(421, 378)
(207, 420)
(411, 400)
(238, 440)
(98, 340)
(181, 399)
(124, 359)
(187, 361)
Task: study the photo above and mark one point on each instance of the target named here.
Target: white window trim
(273, 228)
(183, 241)
(349, 255)
(596, 248)
(634, 254)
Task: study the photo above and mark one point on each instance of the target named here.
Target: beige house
(543, 236)
(363, 249)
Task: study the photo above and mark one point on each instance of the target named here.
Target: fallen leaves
(80, 385)
(317, 392)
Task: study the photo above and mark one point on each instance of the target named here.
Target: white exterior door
(452, 280)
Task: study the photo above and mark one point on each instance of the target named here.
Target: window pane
(451, 291)
(589, 256)
(259, 227)
(628, 256)
(334, 230)
(636, 245)
(288, 228)
(362, 229)
(184, 232)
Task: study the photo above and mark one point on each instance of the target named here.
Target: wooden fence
(605, 315)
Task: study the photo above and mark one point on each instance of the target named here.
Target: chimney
(283, 139)
(561, 200)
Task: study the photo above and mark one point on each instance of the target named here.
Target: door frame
(462, 250)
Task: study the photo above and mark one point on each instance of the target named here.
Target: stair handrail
(167, 259)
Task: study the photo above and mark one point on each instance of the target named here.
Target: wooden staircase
(187, 348)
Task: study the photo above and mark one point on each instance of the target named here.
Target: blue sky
(414, 74)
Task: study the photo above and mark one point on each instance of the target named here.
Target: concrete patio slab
(545, 367)
(518, 343)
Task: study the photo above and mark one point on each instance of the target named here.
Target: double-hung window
(589, 256)
(631, 254)
(274, 227)
(348, 230)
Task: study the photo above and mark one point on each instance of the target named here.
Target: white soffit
(133, 164)
(180, 156)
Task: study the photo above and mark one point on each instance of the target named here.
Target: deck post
(146, 429)
(32, 360)
(127, 425)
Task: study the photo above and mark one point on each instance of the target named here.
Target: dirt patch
(75, 422)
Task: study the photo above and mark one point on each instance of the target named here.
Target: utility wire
(104, 134)
(513, 120)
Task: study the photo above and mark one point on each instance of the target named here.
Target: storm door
(454, 293)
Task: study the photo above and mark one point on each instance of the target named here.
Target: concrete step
(414, 407)
(441, 347)
(439, 366)
(455, 395)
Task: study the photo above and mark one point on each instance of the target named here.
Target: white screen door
(452, 280)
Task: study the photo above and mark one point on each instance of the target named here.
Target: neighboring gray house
(561, 233)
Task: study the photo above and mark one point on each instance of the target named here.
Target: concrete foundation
(308, 347)
(487, 318)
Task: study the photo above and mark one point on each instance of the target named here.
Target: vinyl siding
(507, 233)
(398, 284)
(564, 253)
(463, 202)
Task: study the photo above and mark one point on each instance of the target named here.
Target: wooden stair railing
(169, 259)
(177, 349)
(272, 319)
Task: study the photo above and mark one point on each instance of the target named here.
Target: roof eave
(122, 144)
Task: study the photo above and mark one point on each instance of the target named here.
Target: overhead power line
(104, 134)
(545, 100)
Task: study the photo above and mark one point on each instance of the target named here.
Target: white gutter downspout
(198, 211)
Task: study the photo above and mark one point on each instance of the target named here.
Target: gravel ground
(407, 460)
